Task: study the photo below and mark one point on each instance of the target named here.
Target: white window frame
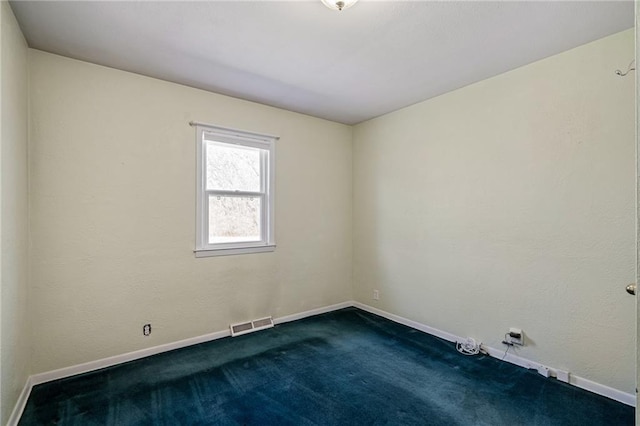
(267, 180)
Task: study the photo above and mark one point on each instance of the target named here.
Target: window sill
(233, 251)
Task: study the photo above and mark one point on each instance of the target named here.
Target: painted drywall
(510, 203)
(637, 280)
(14, 346)
(113, 214)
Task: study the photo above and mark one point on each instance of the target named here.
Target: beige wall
(113, 214)
(14, 342)
(637, 280)
(510, 203)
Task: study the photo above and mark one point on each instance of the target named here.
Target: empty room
(318, 212)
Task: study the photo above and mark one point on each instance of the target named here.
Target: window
(235, 192)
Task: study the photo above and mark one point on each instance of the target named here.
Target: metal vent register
(250, 326)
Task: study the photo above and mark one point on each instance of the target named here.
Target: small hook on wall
(629, 69)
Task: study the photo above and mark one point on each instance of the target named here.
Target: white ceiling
(373, 58)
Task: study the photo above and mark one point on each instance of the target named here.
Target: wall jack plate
(515, 336)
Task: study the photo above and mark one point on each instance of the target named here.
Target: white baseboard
(14, 418)
(131, 356)
(87, 367)
(36, 379)
(409, 323)
(615, 394)
(312, 312)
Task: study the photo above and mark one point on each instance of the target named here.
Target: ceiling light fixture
(339, 4)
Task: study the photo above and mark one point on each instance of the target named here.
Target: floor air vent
(250, 326)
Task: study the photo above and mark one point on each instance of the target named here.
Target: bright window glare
(234, 219)
(232, 168)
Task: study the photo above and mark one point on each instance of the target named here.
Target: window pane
(234, 219)
(232, 167)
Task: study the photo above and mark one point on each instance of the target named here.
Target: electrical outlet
(514, 337)
(376, 295)
(146, 329)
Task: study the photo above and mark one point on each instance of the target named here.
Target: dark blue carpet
(341, 368)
